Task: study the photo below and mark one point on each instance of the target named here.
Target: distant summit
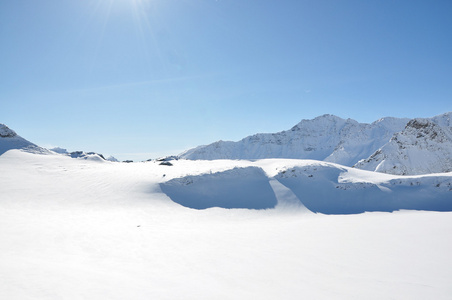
(5, 132)
(10, 140)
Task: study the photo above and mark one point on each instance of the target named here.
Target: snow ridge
(318, 187)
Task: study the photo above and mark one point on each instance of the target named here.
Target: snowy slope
(327, 137)
(423, 147)
(80, 229)
(10, 140)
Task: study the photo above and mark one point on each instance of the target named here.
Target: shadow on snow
(318, 188)
(237, 188)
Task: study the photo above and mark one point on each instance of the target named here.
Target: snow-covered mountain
(390, 145)
(327, 138)
(423, 147)
(10, 140)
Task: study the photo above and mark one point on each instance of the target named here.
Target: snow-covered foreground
(80, 229)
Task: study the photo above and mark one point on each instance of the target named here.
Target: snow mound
(331, 189)
(247, 187)
(319, 187)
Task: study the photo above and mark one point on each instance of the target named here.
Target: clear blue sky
(142, 78)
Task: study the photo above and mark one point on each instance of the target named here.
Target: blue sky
(142, 78)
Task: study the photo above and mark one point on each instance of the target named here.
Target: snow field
(77, 229)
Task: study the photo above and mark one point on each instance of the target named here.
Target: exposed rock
(423, 147)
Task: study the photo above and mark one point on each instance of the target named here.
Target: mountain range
(390, 145)
(398, 146)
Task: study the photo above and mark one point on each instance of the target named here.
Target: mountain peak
(9, 140)
(5, 132)
(325, 120)
(328, 116)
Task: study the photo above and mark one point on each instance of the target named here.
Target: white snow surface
(81, 229)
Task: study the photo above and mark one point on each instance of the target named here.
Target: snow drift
(236, 188)
(319, 186)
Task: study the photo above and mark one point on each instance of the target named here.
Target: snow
(423, 147)
(6, 132)
(237, 188)
(82, 229)
(327, 137)
(112, 159)
(389, 145)
(10, 140)
(59, 150)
